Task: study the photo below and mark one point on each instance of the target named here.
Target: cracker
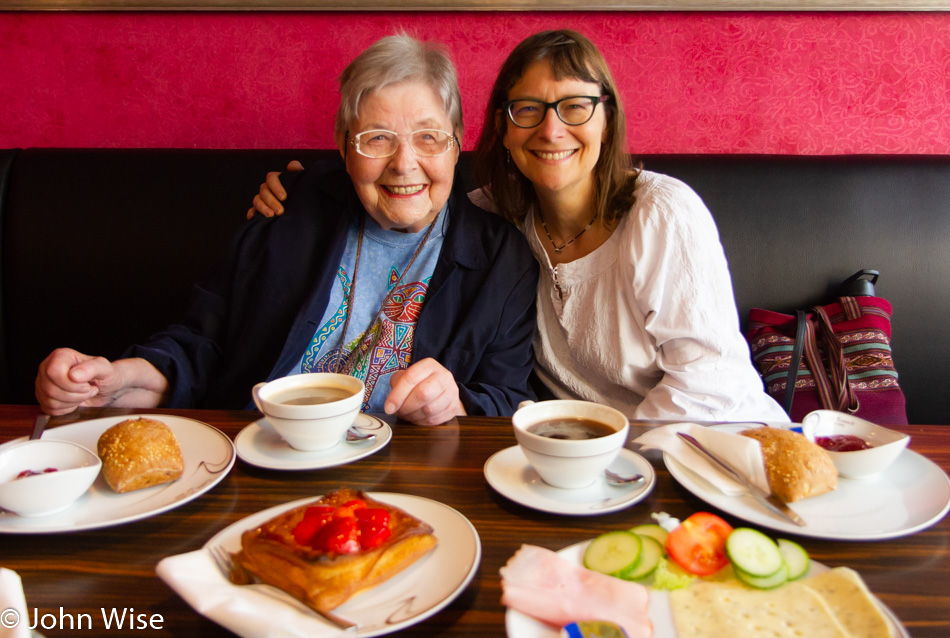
(851, 602)
(714, 610)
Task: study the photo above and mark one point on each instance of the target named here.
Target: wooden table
(114, 567)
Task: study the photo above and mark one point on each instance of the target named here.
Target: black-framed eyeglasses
(573, 110)
(380, 143)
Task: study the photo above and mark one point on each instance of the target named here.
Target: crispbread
(851, 602)
(796, 468)
(835, 604)
(325, 581)
(715, 610)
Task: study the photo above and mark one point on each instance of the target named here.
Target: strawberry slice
(339, 536)
(314, 518)
(373, 524)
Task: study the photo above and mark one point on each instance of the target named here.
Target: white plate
(409, 597)
(518, 625)
(911, 495)
(260, 445)
(207, 452)
(509, 472)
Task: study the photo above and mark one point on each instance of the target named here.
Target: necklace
(347, 362)
(557, 248)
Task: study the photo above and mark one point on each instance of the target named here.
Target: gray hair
(393, 60)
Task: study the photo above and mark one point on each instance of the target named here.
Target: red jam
(842, 443)
(348, 529)
(26, 473)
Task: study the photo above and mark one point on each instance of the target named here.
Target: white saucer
(509, 472)
(260, 445)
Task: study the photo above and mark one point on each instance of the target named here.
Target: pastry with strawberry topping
(325, 552)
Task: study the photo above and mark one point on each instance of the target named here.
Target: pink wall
(801, 83)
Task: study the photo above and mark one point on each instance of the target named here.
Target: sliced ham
(541, 584)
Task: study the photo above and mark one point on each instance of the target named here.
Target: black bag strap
(793, 365)
(835, 393)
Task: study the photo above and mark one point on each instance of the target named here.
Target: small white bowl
(886, 445)
(48, 492)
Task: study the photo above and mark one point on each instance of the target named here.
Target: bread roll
(796, 468)
(139, 453)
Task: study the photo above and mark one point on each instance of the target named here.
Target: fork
(237, 575)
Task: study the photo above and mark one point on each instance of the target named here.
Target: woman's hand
(268, 201)
(425, 393)
(68, 379)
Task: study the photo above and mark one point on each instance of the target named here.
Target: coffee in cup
(310, 411)
(572, 428)
(311, 395)
(569, 443)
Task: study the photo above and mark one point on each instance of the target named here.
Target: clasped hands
(425, 393)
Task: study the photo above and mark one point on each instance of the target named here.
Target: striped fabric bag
(834, 357)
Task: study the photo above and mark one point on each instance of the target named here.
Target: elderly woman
(391, 275)
(635, 303)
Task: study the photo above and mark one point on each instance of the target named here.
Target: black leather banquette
(99, 247)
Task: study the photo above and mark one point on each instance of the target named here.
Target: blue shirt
(375, 346)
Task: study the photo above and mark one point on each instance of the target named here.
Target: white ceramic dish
(310, 426)
(886, 445)
(519, 625)
(63, 473)
(510, 474)
(912, 495)
(259, 444)
(417, 593)
(568, 461)
(207, 452)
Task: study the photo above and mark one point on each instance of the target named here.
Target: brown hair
(571, 55)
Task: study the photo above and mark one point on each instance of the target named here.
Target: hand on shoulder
(268, 200)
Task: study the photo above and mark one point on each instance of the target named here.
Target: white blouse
(647, 323)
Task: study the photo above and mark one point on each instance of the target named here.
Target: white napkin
(14, 622)
(740, 452)
(251, 611)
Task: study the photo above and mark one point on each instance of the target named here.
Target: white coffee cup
(290, 406)
(569, 463)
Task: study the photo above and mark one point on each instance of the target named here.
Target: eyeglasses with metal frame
(573, 110)
(380, 143)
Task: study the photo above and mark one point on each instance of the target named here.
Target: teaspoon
(354, 434)
(616, 479)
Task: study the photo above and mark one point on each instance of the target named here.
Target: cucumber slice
(616, 553)
(651, 551)
(650, 529)
(753, 552)
(795, 557)
(780, 577)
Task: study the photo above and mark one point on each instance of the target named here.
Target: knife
(39, 425)
(769, 500)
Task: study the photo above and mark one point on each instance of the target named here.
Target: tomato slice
(698, 545)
